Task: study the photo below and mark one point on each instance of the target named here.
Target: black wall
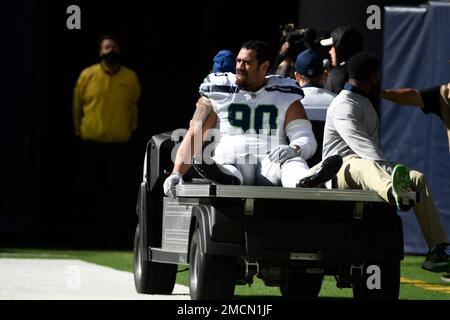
(169, 44)
(16, 27)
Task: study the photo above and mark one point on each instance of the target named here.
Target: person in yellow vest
(105, 106)
(105, 114)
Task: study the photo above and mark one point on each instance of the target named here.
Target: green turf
(410, 269)
(120, 260)
(328, 289)
(123, 260)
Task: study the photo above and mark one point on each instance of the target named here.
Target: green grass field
(416, 283)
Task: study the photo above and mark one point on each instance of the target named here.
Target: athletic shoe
(327, 170)
(401, 184)
(437, 259)
(446, 277)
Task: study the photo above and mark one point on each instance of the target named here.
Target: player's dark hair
(109, 36)
(362, 66)
(262, 49)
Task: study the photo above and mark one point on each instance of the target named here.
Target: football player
(264, 135)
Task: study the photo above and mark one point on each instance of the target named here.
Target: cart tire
(152, 277)
(211, 277)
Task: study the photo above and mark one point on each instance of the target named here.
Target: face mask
(111, 57)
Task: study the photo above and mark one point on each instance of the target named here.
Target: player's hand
(282, 153)
(170, 183)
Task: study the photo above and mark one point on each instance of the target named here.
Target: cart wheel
(152, 277)
(211, 277)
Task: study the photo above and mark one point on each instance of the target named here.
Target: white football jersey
(249, 122)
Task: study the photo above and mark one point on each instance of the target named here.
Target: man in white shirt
(310, 74)
(351, 131)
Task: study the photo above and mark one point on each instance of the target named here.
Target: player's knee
(268, 173)
(296, 161)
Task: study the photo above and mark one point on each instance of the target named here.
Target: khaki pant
(357, 173)
(445, 108)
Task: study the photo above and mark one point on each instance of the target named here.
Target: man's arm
(204, 119)
(406, 96)
(202, 111)
(295, 111)
(299, 130)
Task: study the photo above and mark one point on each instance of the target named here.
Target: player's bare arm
(204, 119)
(295, 111)
(202, 111)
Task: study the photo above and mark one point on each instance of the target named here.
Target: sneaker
(401, 184)
(327, 170)
(437, 259)
(446, 277)
(212, 172)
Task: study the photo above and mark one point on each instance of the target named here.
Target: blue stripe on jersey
(222, 89)
(286, 89)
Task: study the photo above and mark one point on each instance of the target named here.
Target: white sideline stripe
(49, 279)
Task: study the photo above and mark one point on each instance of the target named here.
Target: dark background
(170, 44)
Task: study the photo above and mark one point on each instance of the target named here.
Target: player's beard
(242, 79)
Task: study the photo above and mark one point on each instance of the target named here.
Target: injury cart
(290, 238)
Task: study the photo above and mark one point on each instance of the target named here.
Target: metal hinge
(357, 270)
(250, 265)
